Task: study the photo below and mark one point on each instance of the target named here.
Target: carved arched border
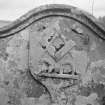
(53, 10)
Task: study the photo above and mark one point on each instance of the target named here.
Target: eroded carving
(64, 64)
(60, 61)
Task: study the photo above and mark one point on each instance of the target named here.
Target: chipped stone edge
(53, 10)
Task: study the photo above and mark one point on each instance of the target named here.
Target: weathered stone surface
(54, 55)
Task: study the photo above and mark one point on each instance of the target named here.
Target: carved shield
(54, 55)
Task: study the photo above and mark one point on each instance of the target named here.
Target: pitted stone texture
(53, 61)
(16, 84)
(66, 51)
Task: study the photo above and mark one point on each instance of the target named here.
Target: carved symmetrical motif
(53, 56)
(65, 60)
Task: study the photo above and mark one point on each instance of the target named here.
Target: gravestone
(53, 55)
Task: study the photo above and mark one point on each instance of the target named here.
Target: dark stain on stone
(4, 54)
(16, 83)
(14, 98)
(99, 89)
(33, 88)
(102, 101)
(85, 91)
(41, 28)
(44, 47)
(6, 82)
(28, 46)
(84, 39)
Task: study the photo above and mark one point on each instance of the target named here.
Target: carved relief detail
(63, 66)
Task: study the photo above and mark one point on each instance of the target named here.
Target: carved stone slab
(54, 55)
